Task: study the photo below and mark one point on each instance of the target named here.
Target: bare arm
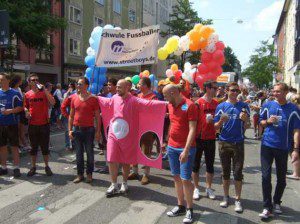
(71, 120)
(98, 125)
(295, 153)
(50, 98)
(191, 137)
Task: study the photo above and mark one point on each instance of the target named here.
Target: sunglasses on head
(234, 90)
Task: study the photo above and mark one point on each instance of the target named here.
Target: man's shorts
(178, 168)
(9, 135)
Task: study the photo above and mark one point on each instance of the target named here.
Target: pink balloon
(221, 61)
(199, 80)
(217, 55)
(218, 70)
(212, 65)
(177, 75)
(141, 75)
(169, 73)
(220, 45)
(203, 68)
(206, 57)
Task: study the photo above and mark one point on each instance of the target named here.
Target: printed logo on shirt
(184, 107)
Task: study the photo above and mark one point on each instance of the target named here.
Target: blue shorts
(182, 169)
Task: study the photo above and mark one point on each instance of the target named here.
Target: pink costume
(127, 120)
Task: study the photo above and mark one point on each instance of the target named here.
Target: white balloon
(90, 51)
(120, 128)
(213, 38)
(108, 26)
(187, 65)
(184, 43)
(178, 52)
(211, 48)
(118, 28)
(91, 41)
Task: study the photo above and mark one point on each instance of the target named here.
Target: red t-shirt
(150, 96)
(206, 131)
(38, 105)
(84, 111)
(180, 116)
(66, 105)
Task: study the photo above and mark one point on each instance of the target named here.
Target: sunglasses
(34, 80)
(215, 88)
(234, 90)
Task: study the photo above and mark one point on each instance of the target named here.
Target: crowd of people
(195, 119)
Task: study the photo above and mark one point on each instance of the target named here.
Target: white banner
(119, 48)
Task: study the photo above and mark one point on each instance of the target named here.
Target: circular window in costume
(150, 145)
(120, 128)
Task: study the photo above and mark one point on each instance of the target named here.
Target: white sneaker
(124, 188)
(196, 195)
(277, 209)
(210, 193)
(238, 206)
(265, 214)
(112, 190)
(224, 203)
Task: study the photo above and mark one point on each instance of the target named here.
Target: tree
(31, 21)
(182, 20)
(262, 65)
(231, 62)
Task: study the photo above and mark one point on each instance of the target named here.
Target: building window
(101, 2)
(98, 22)
(45, 55)
(131, 15)
(297, 36)
(117, 6)
(74, 47)
(75, 15)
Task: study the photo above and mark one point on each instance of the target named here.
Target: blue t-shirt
(8, 100)
(280, 136)
(233, 129)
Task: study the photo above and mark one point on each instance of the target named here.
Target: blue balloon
(89, 71)
(103, 70)
(97, 32)
(93, 88)
(102, 79)
(90, 61)
(155, 83)
(152, 77)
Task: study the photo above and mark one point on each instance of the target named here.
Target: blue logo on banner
(184, 107)
(117, 46)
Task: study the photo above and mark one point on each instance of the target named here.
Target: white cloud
(266, 19)
(250, 1)
(203, 3)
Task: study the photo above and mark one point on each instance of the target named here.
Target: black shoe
(3, 171)
(188, 216)
(48, 171)
(176, 211)
(17, 173)
(31, 172)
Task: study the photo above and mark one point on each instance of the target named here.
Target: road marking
(18, 192)
(216, 217)
(141, 212)
(66, 208)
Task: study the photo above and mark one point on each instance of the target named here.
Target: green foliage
(182, 20)
(262, 65)
(232, 64)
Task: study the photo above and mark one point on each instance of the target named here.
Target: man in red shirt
(206, 138)
(37, 102)
(83, 115)
(183, 115)
(148, 138)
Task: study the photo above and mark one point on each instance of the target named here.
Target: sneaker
(31, 172)
(112, 190)
(196, 194)
(3, 171)
(265, 214)
(124, 188)
(133, 176)
(238, 206)
(210, 193)
(224, 203)
(48, 171)
(277, 209)
(145, 180)
(188, 216)
(176, 211)
(78, 179)
(17, 172)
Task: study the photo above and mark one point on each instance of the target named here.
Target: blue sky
(260, 18)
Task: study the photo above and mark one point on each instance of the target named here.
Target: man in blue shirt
(232, 117)
(10, 104)
(281, 120)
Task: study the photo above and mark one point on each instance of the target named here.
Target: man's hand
(244, 116)
(272, 120)
(97, 136)
(71, 135)
(224, 118)
(27, 114)
(295, 156)
(183, 156)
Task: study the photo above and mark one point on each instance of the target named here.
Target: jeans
(65, 125)
(268, 155)
(84, 141)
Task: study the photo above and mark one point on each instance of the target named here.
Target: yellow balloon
(206, 31)
(128, 79)
(162, 53)
(198, 27)
(172, 45)
(174, 67)
(146, 73)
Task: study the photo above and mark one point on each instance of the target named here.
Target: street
(57, 199)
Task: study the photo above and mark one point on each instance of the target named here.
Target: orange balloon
(198, 27)
(194, 36)
(203, 43)
(206, 31)
(174, 67)
(194, 46)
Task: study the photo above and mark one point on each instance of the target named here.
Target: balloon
(194, 46)
(187, 65)
(90, 51)
(162, 54)
(206, 31)
(198, 27)
(202, 43)
(194, 36)
(155, 83)
(177, 75)
(218, 71)
(206, 57)
(120, 128)
(172, 44)
(169, 73)
(211, 48)
(220, 45)
(174, 67)
(118, 28)
(97, 32)
(91, 41)
(152, 78)
(221, 61)
(212, 65)
(213, 38)
(203, 68)
(135, 79)
(89, 72)
(89, 61)
(108, 26)
(178, 52)
(184, 43)
(141, 75)
(146, 73)
(94, 88)
(217, 55)
(101, 80)
(128, 79)
(199, 80)
(102, 70)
